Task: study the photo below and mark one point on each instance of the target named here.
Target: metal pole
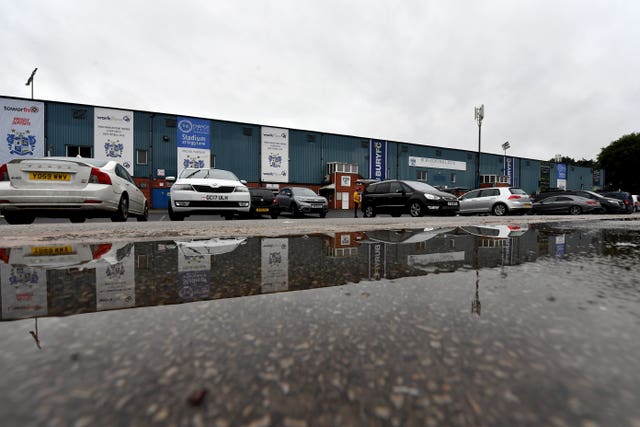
(478, 159)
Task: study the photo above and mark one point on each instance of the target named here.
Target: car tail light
(275, 201)
(4, 255)
(4, 173)
(99, 177)
(99, 250)
(514, 196)
(592, 202)
(513, 227)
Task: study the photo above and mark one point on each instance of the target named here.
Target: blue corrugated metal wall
(237, 147)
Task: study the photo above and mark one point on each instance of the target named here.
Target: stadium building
(153, 146)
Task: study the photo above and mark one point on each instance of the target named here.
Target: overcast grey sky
(555, 76)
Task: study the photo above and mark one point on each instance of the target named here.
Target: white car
(496, 201)
(68, 187)
(209, 192)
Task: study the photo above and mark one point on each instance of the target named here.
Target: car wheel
(296, 210)
(173, 216)
(369, 212)
(123, 210)
(575, 210)
(77, 219)
(145, 213)
(499, 209)
(14, 219)
(416, 209)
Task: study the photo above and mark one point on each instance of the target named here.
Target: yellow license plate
(51, 250)
(49, 176)
(262, 209)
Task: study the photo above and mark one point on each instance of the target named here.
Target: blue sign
(377, 159)
(508, 169)
(562, 171)
(194, 133)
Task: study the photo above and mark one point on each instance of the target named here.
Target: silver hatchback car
(496, 201)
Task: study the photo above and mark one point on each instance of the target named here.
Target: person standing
(356, 202)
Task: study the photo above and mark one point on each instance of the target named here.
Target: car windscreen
(208, 173)
(304, 192)
(517, 191)
(421, 186)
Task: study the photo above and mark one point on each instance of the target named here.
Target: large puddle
(479, 325)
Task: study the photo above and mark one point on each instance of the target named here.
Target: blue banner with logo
(194, 133)
(508, 169)
(562, 171)
(377, 159)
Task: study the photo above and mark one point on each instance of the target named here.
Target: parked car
(563, 204)
(608, 204)
(625, 197)
(68, 187)
(262, 203)
(300, 201)
(207, 191)
(496, 201)
(496, 231)
(396, 197)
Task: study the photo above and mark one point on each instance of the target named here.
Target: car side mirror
(170, 179)
(243, 181)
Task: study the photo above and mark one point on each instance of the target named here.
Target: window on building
(79, 114)
(453, 178)
(141, 157)
(421, 175)
(81, 150)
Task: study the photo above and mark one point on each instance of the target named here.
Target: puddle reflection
(61, 280)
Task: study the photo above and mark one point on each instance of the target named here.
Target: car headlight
(181, 187)
(431, 196)
(241, 189)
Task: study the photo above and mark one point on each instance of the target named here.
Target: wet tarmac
(488, 325)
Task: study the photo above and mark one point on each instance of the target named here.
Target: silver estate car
(69, 187)
(209, 192)
(496, 201)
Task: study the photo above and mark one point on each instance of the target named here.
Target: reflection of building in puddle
(342, 245)
(274, 265)
(194, 265)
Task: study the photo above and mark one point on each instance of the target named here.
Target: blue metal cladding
(305, 157)
(236, 147)
(346, 149)
(157, 134)
(68, 124)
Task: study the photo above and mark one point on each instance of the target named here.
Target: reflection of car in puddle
(63, 256)
(214, 246)
(496, 231)
(405, 236)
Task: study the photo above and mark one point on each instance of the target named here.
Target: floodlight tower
(30, 81)
(479, 116)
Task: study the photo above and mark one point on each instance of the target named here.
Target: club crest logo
(275, 160)
(21, 143)
(193, 162)
(113, 149)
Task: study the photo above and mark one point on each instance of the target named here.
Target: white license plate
(316, 206)
(453, 203)
(211, 197)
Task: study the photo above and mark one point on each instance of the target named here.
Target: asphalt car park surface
(452, 321)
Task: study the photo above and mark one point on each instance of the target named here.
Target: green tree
(621, 163)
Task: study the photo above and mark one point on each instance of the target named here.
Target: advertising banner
(275, 265)
(21, 129)
(377, 159)
(113, 136)
(116, 283)
(23, 291)
(562, 176)
(194, 143)
(194, 272)
(377, 261)
(425, 162)
(275, 154)
(508, 169)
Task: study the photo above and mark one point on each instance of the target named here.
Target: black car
(262, 203)
(608, 204)
(623, 196)
(396, 197)
(300, 201)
